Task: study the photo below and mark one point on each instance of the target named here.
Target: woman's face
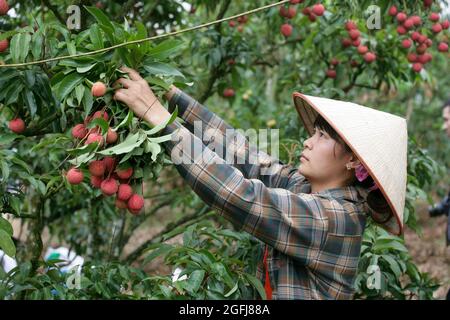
(323, 160)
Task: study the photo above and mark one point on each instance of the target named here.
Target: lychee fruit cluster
(415, 39)
(111, 180)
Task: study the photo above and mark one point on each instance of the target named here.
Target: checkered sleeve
(294, 224)
(232, 145)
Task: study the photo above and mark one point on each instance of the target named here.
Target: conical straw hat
(379, 140)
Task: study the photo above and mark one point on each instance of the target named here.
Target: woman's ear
(353, 162)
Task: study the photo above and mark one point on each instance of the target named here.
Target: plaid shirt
(314, 239)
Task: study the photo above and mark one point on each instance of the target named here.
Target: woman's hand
(139, 97)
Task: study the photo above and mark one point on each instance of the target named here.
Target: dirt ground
(429, 250)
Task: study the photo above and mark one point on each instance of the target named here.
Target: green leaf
(68, 84)
(79, 92)
(159, 68)
(18, 87)
(83, 158)
(85, 69)
(6, 226)
(161, 139)
(392, 264)
(20, 45)
(96, 37)
(6, 243)
(160, 249)
(391, 245)
(256, 283)
(31, 102)
(5, 171)
(103, 21)
(165, 49)
(157, 81)
(233, 290)
(126, 121)
(6, 138)
(101, 122)
(154, 148)
(161, 126)
(195, 280)
(130, 143)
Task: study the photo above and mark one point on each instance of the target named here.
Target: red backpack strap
(267, 286)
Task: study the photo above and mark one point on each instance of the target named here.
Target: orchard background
(245, 70)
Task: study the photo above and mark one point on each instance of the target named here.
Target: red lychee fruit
(393, 11)
(434, 16)
(94, 137)
(417, 67)
(370, 57)
(346, 42)
(111, 136)
(135, 202)
(4, 44)
(79, 131)
(4, 7)
(98, 89)
(124, 173)
(436, 28)
(427, 3)
(74, 176)
(286, 29)
(17, 125)
(110, 163)
(228, 93)
(409, 23)
(354, 34)
(99, 114)
(443, 47)
(406, 43)
(356, 43)
(109, 187)
(401, 30)
(416, 20)
(124, 192)
(363, 49)
(331, 73)
(96, 181)
(318, 9)
(401, 17)
(412, 57)
(415, 36)
(445, 24)
(97, 168)
(350, 25)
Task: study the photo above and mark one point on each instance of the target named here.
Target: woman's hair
(375, 198)
(446, 104)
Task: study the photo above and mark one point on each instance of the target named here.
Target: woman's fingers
(126, 83)
(134, 75)
(121, 95)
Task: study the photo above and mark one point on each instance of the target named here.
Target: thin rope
(14, 65)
